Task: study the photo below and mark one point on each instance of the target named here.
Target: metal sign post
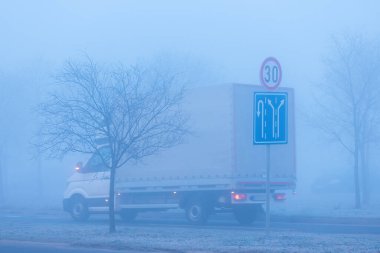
(267, 191)
(270, 119)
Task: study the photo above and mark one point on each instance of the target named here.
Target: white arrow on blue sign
(270, 125)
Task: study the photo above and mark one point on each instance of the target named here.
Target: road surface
(33, 247)
(22, 226)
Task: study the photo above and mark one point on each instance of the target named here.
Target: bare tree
(349, 102)
(135, 111)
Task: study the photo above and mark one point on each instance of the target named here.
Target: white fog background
(213, 41)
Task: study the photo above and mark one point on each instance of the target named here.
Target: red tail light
(239, 196)
(279, 196)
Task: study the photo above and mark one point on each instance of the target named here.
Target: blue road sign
(270, 124)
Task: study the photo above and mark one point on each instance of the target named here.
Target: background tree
(348, 103)
(135, 110)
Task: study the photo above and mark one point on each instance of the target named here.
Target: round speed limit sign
(270, 73)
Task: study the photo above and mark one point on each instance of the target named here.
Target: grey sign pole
(267, 191)
(270, 77)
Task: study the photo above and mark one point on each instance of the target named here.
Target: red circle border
(269, 59)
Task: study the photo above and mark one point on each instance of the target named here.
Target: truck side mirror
(78, 167)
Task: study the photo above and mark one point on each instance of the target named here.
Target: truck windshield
(99, 161)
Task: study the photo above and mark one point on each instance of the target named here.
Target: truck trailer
(218, 167)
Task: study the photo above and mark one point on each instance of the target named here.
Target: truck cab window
(96, 162)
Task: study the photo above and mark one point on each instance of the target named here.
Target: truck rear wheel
(246, 215)
(128, 215)
(196, 212)
(79, 209)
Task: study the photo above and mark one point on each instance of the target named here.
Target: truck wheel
(196, 212)
(127, 215)
(79, 209)
(247, 215)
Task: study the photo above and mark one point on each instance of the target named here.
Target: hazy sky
(233, 35)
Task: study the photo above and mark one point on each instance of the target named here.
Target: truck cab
(87, 189)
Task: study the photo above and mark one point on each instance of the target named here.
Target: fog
(214, 41)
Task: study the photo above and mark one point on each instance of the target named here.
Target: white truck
(217, 169)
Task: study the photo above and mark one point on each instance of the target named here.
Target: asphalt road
(164, 220)
(223, 221)
(33, 247)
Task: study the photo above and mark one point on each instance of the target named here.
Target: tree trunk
(365, 174)
(111, 201)
(357, 184)
(40, 191)
(356, 169)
